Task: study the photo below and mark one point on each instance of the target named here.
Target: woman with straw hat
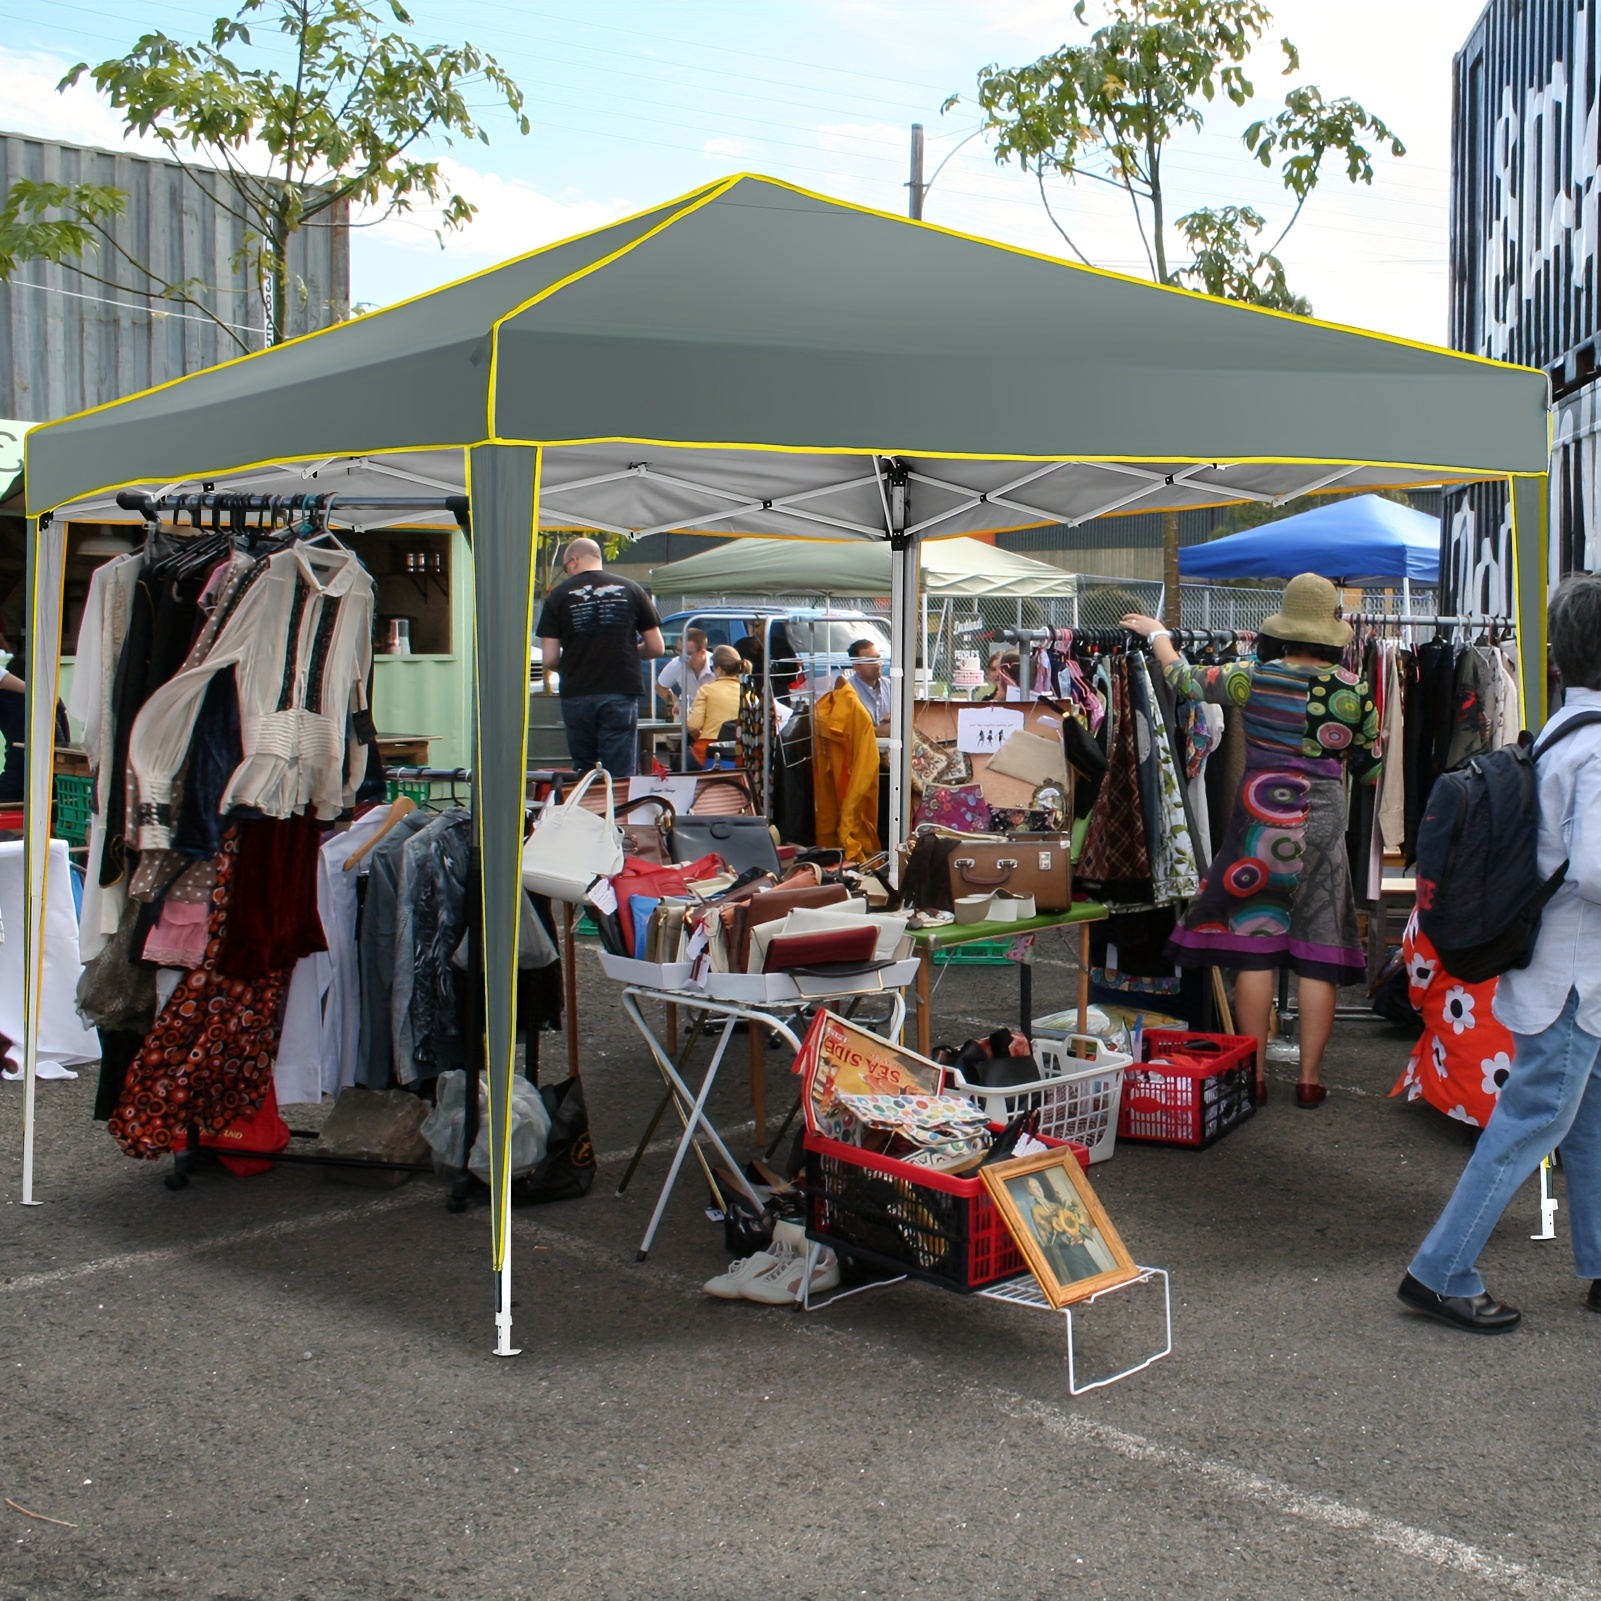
(1278, 893)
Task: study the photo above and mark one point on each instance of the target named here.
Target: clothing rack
(1108, 638)
(151, 507)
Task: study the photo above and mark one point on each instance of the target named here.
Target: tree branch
(1045, 199)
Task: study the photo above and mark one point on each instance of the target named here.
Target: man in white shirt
(693, 665)
(1552, 1096)
(867, 679)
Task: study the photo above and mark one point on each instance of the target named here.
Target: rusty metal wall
(1525, 236)
(67, 342)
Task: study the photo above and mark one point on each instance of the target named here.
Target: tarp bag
(571, 846)
(1480, 893)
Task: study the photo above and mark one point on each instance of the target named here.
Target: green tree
(1109, 110)
(281, 145)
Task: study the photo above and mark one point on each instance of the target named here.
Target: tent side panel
(1529, 584)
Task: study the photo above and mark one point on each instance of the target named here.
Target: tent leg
(503, 1345)
(46, 574)
(903, 682)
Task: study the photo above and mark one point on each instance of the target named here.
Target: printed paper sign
(982, 730)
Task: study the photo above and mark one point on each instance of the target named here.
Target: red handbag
(262, 1130)
(640, 877)
(831, 947)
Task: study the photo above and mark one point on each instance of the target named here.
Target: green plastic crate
(976, 953)
(420, 789)
(74, 803)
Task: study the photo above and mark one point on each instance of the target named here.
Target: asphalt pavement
(283, 1386)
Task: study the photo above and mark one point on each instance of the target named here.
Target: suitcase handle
(962, 864)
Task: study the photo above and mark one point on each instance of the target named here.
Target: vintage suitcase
(1040, 865)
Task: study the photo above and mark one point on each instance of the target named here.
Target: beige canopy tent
(752, 358)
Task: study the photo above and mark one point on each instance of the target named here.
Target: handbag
(1040, 865)
(742, 842)
(843, 947)
(646, 841)
(571, 847)
(958, 806)
(772, 904)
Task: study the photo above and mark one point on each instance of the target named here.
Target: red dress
(1463, 1058)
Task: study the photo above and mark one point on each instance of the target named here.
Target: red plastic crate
(1188, 1097)
(907, 1219)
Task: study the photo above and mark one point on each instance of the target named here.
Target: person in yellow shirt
(717, 702)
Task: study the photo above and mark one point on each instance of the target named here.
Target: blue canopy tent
(1365, 540)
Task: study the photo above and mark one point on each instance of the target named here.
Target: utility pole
(915, 187)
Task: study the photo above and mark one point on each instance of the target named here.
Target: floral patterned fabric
(1175, 876)
(208, 1059)
(1464, 1056)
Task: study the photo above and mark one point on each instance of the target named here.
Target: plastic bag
(530, 1125)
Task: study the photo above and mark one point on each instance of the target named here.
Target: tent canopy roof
(837, 567)
(1366, 537)
(705, 363)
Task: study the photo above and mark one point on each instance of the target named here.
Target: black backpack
(1480, 894)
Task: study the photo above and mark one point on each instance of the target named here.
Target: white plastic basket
(1077, 1095)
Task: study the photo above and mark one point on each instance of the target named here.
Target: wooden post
(1170, 570)
(569, 983)
(1084, 978)
(758, 1079)
(925, 964)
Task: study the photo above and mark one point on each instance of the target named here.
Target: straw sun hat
(1310, 611)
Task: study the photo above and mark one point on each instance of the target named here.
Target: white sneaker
(780, 1285)
(729, 1286)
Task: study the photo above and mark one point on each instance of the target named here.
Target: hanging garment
(322, 1015)
(1509, 720)
(1205, 738)
(299, 642)
(1392, 748)
(794, 810)
(1478, 682)
(103, 628)
(375, 1050)
(1116, 855)
(1427, 735)
(208, 1060)
(1174, 874)
(1465, 1053)
(1279, 891)
(179, 937)
(845, 775)
(430, 922)
(273, 922)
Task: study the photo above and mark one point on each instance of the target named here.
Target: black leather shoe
(1593, 1299)
(1478, 1314)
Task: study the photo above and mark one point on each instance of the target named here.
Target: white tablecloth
(62, 1037)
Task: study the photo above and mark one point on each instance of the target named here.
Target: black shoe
(1478, 1314)
(1593, 1299)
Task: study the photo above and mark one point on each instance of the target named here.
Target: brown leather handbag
(772, 904)
(1040, 865)
(646, 840)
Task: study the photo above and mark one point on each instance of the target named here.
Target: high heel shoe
(1310, 1095)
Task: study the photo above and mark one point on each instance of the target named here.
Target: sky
(635, 101)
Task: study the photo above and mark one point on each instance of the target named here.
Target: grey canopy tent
(752, 358)
(946, 567)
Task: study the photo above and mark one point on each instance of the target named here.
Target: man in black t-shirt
(596, 628)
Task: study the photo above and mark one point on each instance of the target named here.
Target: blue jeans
(1551, 1098)
(604, 729)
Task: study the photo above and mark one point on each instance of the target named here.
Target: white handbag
(571, 847)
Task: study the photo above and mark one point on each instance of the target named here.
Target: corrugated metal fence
(68, 343)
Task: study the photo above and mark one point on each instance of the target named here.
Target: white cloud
(725, 147)
(513, 217)
(75, 116)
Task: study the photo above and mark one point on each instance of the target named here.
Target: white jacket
(299, 642)
(1567, 954)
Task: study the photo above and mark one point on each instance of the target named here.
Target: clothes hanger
(399, 807)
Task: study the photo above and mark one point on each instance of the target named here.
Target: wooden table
(927, 941)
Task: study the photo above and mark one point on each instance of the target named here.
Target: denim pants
(604, 729)
(1551, 1098)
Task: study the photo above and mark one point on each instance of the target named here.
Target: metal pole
(915, 187)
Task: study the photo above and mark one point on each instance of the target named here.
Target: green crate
(976, 953)
(586, 925)
(74, 803)
(420, 790)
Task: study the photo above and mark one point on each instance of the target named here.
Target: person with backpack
(1278, 893)
(1538, 808)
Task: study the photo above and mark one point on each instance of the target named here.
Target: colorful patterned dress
(1278, 892)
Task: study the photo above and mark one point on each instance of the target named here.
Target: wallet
(835, 947)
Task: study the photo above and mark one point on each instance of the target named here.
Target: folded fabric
(179, 936)
(1031, 758)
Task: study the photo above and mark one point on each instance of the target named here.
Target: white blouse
(299, 642)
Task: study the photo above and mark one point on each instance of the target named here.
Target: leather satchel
(742, 842)
(741, 918)
(1040, 865)
(647, 840)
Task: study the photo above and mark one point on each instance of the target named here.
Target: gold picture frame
(1060, 1225)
